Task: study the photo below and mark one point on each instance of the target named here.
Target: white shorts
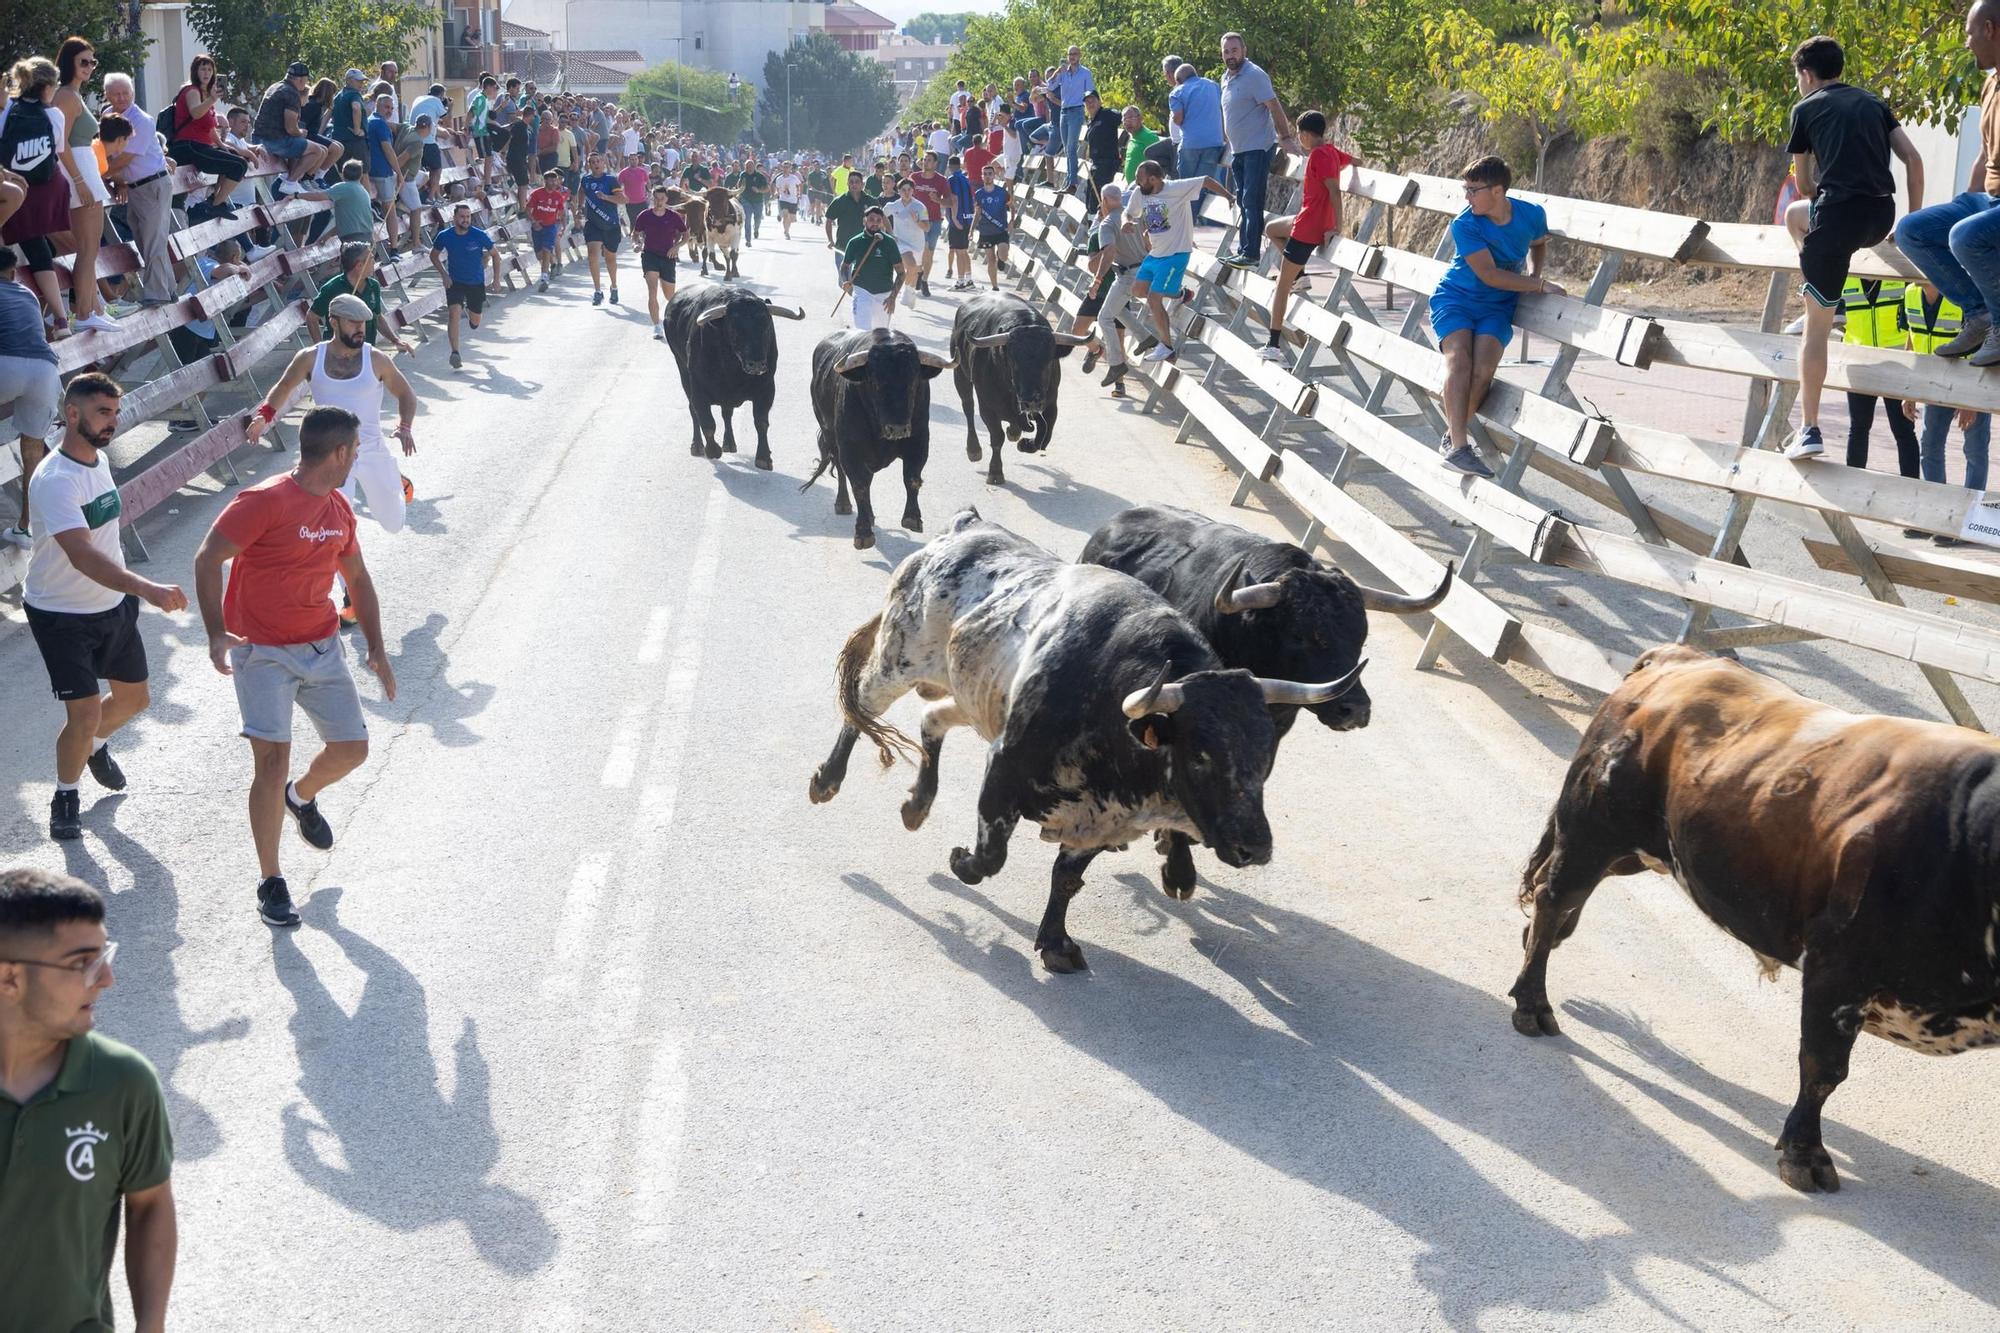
(93, 183)
(377, 475)
(870, 311)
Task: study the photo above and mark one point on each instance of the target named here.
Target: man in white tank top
(345, 372)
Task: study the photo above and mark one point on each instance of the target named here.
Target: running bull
(1008, 358)
(724, 227)
(871, 394)
(1107, 714)
(1862, 850)
(1264, 606)
(726, 347)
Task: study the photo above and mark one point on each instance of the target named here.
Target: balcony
(462, 62)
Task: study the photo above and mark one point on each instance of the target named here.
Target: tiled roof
(857, 16)
(609, 57)
(542, 66)
(511, 31)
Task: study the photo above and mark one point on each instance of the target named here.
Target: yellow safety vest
(1871, 317)
(1926, 334)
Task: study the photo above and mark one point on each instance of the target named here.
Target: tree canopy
(699, 98)
(943, 28)
(252, 41)
(39, 27)
(839, 98)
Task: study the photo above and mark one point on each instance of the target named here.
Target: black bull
(1009, 359)
(871, 395)
(1265, 606)
(726, 348)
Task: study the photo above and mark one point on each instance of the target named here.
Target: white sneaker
(1162, 352)
(252, 252)
(17, 537)
(98, 320)
(660, 332)
(286, 188)
(1810, 444)
(1271, 353)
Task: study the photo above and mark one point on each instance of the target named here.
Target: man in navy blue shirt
(958, 229)
(464, 248)
(603, 224)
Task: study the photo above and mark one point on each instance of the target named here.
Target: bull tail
(824, 461)
(854, 655)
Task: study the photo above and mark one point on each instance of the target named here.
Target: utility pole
(789, 67)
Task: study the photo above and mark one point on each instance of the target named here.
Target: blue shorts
(286, 148)
(545, 237)
(1163, 273)
(1449, 314)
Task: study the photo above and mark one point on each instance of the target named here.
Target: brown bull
(724, 228)
(1862, 850)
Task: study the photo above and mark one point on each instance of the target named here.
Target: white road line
(656, 1158)
(663, 768)
(654, 646)
(580, 910)
(623, 760)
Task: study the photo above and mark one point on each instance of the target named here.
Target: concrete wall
(722, 35)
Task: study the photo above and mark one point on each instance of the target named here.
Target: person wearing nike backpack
(31, 147)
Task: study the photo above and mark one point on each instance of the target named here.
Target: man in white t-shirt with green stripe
(83, 604)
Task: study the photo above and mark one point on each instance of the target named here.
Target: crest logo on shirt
(81, 1159)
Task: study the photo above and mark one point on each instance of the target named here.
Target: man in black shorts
(602, 225)
(1840, 144)
(463, 270)
(83, 604)
(658, 231)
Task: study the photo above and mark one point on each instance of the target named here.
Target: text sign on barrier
(1982, 521)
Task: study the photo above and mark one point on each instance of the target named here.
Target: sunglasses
(89, 969)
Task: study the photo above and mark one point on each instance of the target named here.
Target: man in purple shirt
(659, 230)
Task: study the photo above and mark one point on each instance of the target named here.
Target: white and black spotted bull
(1009, 365)
(1107, 715)
(1863, 851)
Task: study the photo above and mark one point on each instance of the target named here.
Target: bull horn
(853, 362)
(933, 359)
(1072, 340)
(777, 309)
(710, 315)
(1301, 695)
(1159, 697)
(1231, 600)
(993, 339)
(1402, 604)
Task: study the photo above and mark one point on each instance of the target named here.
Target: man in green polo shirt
(83, 1124)
(356, 278)
(844, 215)
(871, 271)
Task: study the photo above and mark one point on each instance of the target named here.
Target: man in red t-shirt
(932, 188)
(276, 634)
(547, 207)
(1318, 219)
(975, 159)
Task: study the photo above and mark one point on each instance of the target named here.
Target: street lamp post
(789, 67)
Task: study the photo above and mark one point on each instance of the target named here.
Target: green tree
(698, 98)
(839, 98)
(930, 27)
(38, 28)
(1398, 112)
(252, 41)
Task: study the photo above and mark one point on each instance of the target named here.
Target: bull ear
(1153, 731)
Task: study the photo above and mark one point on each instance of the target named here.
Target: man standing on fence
(1502, 249)
(1841, 141)
(1164, 211)
(274, 632)
(1254, 124)
(462, 269)
(1066, 89)
(82, 603)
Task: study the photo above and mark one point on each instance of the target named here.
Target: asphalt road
(596, 1023)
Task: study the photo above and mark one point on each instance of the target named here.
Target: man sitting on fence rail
(277, 130)
(1318, 218)
(1502, 248)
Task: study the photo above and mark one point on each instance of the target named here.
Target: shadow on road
(1388, 1084)
(435, 702)
(144, 1003)
(412, 1159)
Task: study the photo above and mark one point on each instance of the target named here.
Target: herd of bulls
(1144, 689)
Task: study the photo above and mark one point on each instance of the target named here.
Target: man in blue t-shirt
(385, 174)
(990, 220)
(958, 226)
(1195, 107)
(464, 248)
(1502, 248)
(603, 224)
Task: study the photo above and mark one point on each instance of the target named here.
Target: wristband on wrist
(268, 412)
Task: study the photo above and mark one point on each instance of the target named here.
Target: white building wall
(722, 35)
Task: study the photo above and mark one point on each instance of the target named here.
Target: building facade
(728, 36)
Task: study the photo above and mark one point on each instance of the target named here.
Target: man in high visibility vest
(1932, 321)
(1875, 319)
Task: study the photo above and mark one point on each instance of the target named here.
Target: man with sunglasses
(83, 1120)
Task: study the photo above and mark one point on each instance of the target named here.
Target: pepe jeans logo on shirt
(81, 1159)
(307, 534)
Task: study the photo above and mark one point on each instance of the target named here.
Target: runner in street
(546, 209)
(791, 189)
(602, 229)
(909, 220)
(870, 273)
(463, 270)
(659, 231)
(844, 217)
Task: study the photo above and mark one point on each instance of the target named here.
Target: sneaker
(284, 189)
(1940, 539)
(923, 286)
(274, 903)
(99, 321)
(182, 425)
(597, 298)
(543, 285)
(105, 769)
(349, 618)
(614, 296)
(65, 816)
(1162, 352)
(1989, 351)
(252, 252)
(149, 302)
(1090, 355)
(1272, 352)
(659, 333)
(1147, 343)
(199, 213)
(1464, 459)
(1239, 261)
(455, 362)
(1970, 338)
(1916, 534)
(1808, 445)
(122, 309)
(312, 824)
(1115, 374)
(16, 536)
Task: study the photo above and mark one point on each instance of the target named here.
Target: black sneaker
(312, 824)
(65, 816)
(105, 769)
(1239, 261)
(1113, 375)
(1940, 539)
(597, 298)
(1090, 355)
(614, 296)
(1465, 459)
(274, 903)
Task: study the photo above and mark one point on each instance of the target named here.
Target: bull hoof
(694, 450)
(996, 479)
(913, 522)
(864, 541)
(1809, 1173)
(1068, 958)
(915, 813)
(972, 451)
(764, 460)
(1536, 1023)
(1013, 431)
(841, 506)
(963, 868)
(729, 446)
(822, 788)
(713, 452)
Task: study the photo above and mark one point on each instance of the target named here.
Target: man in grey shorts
(28, 381)
(275, 632)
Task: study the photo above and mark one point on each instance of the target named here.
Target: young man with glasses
(84, 1120)
(1502, 246)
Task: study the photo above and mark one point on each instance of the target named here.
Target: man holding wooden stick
(871, 273)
